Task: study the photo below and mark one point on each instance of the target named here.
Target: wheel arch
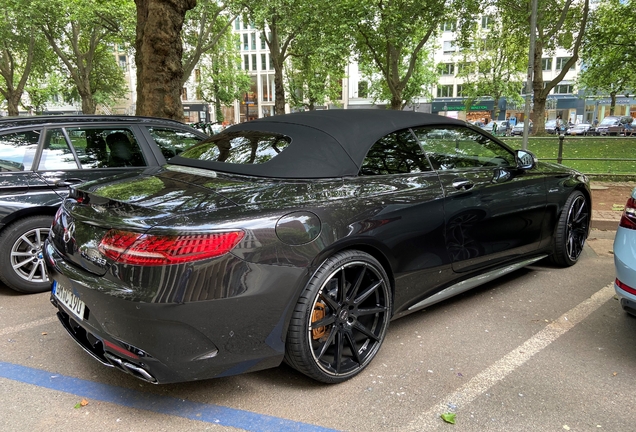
(28, 212)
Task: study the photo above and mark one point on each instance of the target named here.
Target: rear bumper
(176, 342)
(625, 264)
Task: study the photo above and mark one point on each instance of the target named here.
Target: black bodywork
(430, 230)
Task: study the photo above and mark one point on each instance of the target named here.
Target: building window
(363, 89)
(246, 62)
(263, 42)
(546, 64)
(449, 26)
(197, 75)
(253, 39)
(447, 68)
(460, 90)
(445, 91)
(184, 94)
(199, 94)
(122, 62)
(564, 89)
(561, 61)
(263, 62)
(465, 67)
(486, 21)
(254, 64)
(449, 47)
(237, 23)
(246, 45)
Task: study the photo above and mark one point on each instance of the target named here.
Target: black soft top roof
(324, 144)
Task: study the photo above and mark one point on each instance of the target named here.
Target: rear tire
(341, 318)
(22, 266)
(571, 230)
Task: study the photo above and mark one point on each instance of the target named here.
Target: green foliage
(608, 50)
(79, 32)
(393, 40)
(499, 64)
(449, 417)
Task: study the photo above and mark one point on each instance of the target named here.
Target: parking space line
(215, 414)
(510, 362)
(25, 326)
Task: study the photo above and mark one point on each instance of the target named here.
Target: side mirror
(525, 159)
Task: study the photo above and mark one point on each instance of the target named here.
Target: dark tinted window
(243, 147)
(456, 147)
(396, 153)
(56, 154)
(17, 150)
(106, 147)
(173, 141)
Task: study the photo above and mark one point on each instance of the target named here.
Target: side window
(459, 148)
(106, 147)
(396, 153)
(17, 150)
(56, 154)
(173, 141)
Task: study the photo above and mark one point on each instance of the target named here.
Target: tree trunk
(158, 57)
(612, 102)
(279, 89)
(13, 103)
(396, 102)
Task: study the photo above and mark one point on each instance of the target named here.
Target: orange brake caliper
(317, 315)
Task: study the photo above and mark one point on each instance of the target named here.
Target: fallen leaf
(81, 404)
(44, 333)
(615, 373)
(449, 417)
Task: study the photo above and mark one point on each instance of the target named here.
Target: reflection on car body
(299, 238)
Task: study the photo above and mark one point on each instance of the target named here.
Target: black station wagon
(41, 156)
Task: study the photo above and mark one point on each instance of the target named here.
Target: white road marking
(511, 361)
(26, 326)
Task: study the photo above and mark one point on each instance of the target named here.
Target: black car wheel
(571, 230)
(22, 265)
(340, 319)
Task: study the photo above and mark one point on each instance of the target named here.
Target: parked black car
(299, 237)
(40, 157)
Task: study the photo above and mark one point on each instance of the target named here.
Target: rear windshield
(242, 147)
(609, 121)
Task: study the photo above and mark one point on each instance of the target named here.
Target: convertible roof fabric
(324, 144)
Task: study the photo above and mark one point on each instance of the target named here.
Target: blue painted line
(150, 402)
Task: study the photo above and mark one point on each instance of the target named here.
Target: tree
(493, 64)
(20, 45)
(317, 68)
(280, 23)
(560, 24)
(80, 32)
(204, 28)
(222, 80)
(391, 38)
(158, 56)
(608, 51)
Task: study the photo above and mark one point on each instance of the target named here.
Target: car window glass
(173, 141)
(17, 150)
(106, 147)
(396, 153)
(241, 147)
(459, 147)
(56, 154)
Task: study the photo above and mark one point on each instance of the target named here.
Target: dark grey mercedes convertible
(298, 238)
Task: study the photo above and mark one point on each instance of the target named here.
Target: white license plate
(70, 300)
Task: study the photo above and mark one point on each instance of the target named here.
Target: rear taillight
(625, 287)
(152, 250)
(628, 220)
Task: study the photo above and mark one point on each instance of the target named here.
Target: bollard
(560, 156)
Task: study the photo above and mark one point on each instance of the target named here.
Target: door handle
(464, 184)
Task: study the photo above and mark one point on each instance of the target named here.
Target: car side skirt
(473, 282)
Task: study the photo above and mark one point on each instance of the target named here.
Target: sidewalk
(608, 219)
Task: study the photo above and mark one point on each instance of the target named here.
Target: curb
(604, 224)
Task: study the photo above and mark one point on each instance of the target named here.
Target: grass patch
(601, 148)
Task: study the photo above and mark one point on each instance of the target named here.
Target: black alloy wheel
(571, 231)
(341, 318)
(22, 266)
